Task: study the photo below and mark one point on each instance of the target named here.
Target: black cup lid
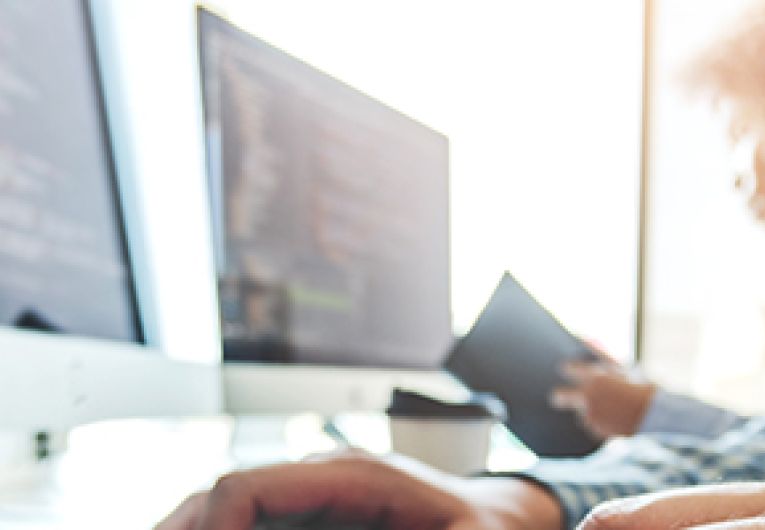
(408, 404)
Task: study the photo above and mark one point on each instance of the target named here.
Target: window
(705, 299)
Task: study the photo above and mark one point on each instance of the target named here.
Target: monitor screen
(63, 264)
(331, 217)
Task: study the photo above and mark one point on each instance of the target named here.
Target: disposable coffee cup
(450, 436)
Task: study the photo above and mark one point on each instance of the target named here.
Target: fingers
(468, 524)
(581, 372)
(185, 516)
(568, 398)
(756, 523)
(348, 489)
(684, 508)
(233, 504)
(600, 352)
(575, 397)
(238, 499)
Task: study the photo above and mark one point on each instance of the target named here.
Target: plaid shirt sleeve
(643, 464)
(685, 415)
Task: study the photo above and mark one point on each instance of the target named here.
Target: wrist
(512, 504)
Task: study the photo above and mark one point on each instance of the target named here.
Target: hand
(730, 507)
(359, 489)
(607, 399)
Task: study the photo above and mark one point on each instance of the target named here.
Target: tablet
(514, 350)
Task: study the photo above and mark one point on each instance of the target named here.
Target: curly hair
(731, 72)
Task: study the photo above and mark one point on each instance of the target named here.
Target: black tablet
(514, 350)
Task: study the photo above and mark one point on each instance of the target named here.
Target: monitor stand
(251, 388)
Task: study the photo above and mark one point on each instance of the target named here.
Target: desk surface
(128, 474)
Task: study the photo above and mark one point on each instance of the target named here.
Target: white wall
(541, 101)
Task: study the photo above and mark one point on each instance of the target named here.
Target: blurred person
(667, 441)
(610, 400)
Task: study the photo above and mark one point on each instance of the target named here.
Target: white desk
(129, 474)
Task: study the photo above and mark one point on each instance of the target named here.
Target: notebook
(514, 350)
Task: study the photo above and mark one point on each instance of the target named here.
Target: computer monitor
(330, 214)
(76, 341)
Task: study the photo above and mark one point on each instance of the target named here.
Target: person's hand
(608, 400)
(729, 507)
(359, 489)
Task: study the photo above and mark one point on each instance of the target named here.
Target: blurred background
(543, 106)
(541, 103)
(577, 161)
